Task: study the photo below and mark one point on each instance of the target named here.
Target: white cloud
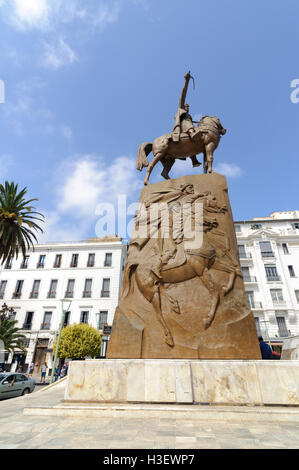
(228, 169)
(57, 55)
(81, 183)
(30, 13)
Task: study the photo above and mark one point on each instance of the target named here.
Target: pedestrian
(43, 373)
(266, 351)
(56, 374)
(31, 368)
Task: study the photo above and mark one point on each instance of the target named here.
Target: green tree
(17, 221)
(10, 334)
(78, 341)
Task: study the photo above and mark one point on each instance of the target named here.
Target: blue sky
(86, 82)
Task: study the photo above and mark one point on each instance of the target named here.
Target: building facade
(269, 258)
(81, 278)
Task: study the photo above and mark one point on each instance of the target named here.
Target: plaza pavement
(114, 426)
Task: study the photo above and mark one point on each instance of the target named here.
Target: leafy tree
(78, 341)
(10, 334)
(17, 222)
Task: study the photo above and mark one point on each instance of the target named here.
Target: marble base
(238, 382)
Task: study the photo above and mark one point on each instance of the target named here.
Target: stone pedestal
(183, 381)
(168, 292)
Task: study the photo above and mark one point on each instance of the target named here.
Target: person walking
(31, 368)
(43, 372)
(56, 374)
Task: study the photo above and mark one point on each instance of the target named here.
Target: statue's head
(186, 107)
(187, 188)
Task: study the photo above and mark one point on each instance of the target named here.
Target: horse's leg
(231, 270)
(158, 156)
(205, 163)
(210, 147)
(210, 285)
(167, 163)
(149, 286)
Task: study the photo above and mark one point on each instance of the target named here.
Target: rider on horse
(183, 122)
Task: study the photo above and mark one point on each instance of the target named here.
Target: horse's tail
(143, 151)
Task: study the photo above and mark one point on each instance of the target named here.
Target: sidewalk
(136, 426)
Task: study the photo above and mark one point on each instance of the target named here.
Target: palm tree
(17, 219)
(10, 334)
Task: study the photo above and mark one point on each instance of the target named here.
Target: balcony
(105, 293)
(86, 293)
(27, 326)
(24, 266)
(17, 295)
(244, 255)
(40, 265)
(90, 265)
(256, 304)
(56, 265)
(249, 279)
(267, 254)
(279, 303)
(7, 266)
(51, 294)
(45, 326)
(74, 265)
(69, 294)
(273, 279)
(33, 295)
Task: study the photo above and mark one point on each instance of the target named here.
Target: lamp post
(63, 312)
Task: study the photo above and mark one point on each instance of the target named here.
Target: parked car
(15, 384)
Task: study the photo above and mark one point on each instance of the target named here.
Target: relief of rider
(183, 122)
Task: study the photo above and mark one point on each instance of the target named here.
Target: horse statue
(205, 140)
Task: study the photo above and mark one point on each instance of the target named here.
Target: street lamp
(63, 312)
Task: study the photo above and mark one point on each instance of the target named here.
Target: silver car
(15, 384)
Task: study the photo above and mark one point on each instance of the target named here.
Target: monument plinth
(183, 294)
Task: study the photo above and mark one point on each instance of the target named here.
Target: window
(297, 295)
(108, 259)
(242, 251)
(105, 288)
(84, 317)
(70, 288)
(53, 288)
(258, 326)
(57, 262)
(8, 264)
(3, 285)
(74, 261)
(67, 317)
(47, 321)
(250, 298)
(271, 273)
(256, 226)
(238, 228)
(282, 327)
(276, 295)
(24, 264)
(246, 274)
(41, 261)
(291, 271)
(266, 249)
(103, 318)
(87, 288)
(28, 321)
(35, 289)
(26, 342)
(285, 248)
(295, 225)
(18, 290)
(90, 261)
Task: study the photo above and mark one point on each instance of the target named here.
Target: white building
(86, 274)
(269, 257)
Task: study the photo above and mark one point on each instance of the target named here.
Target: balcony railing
(249, 279)
(17, 295)
(69, 294)
(256, 304)
(267, 254)
(245, 255)
(279, 302)
(273, 278)
(86, 293)
(27, 326)
(24, 266)
(34, 295)
(7, 266)
(105, 293)
(51, 294)
(40, 265)
(45, 326)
